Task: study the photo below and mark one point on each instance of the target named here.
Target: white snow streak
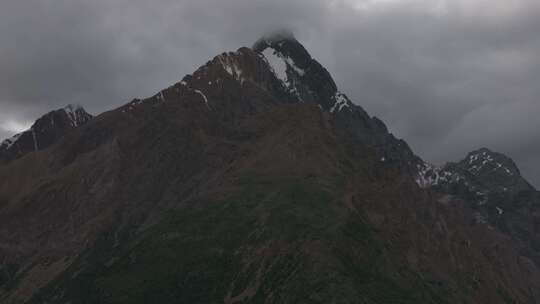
(35, 140)
(231, 67)
(71, 112)
(203, 96)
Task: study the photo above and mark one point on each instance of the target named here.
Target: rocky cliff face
(251, 180)
(44, 132)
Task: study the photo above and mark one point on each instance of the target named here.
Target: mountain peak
(481, 173)
(284, 44)
(301, 75)
(45, 131)
(275, 37)
(73, 107)
(484, 161)
(76, 114)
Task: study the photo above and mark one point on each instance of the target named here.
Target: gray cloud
(449, 76)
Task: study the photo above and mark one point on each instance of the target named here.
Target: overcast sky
(447, 76)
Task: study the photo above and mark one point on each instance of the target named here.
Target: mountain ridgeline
(255, 180)
(44, 132)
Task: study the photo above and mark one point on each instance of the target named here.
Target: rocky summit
(256, 180)
(44, 132)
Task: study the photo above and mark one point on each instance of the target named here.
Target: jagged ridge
(44, 132)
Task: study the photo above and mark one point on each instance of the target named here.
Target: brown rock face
(229, 187)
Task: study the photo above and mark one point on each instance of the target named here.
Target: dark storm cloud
(448, 76)
(450, 81)
(102, 53)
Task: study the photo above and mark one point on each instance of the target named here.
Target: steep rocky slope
(253, 180)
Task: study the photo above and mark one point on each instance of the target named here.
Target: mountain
(44, 132)
(252, 180)
(307, 80)
(493, 187)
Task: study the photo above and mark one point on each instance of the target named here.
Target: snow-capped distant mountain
(481, 172)
(44, 132)
(491, 184)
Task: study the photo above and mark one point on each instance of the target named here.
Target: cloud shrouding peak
(447, 76)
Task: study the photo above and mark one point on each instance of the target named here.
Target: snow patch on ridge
(478, 161)
(429, 175)
(282, 67)
(230, 66)
(291, 64)
(278, 65)
(73, 113)
(341, 102)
